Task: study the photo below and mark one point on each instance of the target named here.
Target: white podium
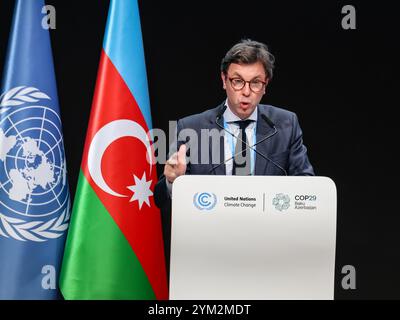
(258, 238)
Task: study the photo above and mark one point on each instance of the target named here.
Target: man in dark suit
(243, 137)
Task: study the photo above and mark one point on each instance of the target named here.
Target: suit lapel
(217, 148)
(263, 129)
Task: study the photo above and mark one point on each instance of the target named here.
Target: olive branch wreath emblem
(19, 229)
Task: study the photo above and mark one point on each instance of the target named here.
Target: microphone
(269, 122)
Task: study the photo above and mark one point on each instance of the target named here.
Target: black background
(341, 83)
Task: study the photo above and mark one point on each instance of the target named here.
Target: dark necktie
(242, 160)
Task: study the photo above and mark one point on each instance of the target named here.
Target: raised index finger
(182, 154)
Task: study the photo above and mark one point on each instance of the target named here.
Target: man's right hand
(176, 165)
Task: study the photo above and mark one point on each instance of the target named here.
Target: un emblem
(204, 200)
(281, 202)
(34, 196)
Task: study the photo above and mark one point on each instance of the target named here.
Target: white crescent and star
(102, 140)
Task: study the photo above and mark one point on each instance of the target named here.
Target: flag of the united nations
(34, 195)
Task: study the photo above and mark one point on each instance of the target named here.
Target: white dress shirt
(230, 142)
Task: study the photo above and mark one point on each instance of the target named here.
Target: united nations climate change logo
(204, 200)
(281, 202)
(34, 196)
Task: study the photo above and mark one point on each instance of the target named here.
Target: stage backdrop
(341, 84)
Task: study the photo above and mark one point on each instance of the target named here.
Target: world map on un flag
(34, 195)
(36, 171)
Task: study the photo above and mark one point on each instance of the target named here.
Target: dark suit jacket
(285, 147)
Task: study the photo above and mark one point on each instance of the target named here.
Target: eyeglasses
(255, 85)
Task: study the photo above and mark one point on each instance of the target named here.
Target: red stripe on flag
(123, 159)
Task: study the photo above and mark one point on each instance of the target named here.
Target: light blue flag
(34, 195)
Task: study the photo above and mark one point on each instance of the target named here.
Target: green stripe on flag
(98, 261)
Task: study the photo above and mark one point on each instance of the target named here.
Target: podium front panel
(257, 237)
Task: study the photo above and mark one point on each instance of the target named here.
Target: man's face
(243, 102)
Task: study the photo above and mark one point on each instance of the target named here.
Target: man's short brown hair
(248, 52)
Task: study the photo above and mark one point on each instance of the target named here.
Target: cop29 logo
(204, 200)
(281, 202)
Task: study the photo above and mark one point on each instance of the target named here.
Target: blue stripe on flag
(123, 45)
